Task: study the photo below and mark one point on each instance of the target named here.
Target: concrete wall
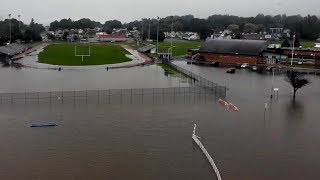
(227, 58)
(113, 39)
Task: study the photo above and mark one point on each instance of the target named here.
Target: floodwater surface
(153, 141)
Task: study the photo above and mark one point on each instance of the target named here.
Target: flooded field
(152, 139)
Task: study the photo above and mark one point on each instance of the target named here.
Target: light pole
(19, 22)
(294, 39)
(149, 29)
(10, 27)
(142, 31)
(170, 52)
(171, 32)
(158, 35)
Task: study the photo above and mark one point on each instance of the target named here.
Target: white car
(245, 65)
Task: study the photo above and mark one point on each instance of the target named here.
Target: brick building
(284, 55)
(233, 51)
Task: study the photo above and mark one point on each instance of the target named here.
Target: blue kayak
(45, 124)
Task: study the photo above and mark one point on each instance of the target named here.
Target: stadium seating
(14, 48)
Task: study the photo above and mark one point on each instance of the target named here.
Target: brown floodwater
(152, 139)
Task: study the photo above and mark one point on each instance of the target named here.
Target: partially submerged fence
(205, 152)
(203, 82)
(112, 96)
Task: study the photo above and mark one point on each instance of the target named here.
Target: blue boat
(45, 124)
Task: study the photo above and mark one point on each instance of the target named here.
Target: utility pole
(171, 34)
(294, 39)
(158, 35)
(10, 27)
(149, 29)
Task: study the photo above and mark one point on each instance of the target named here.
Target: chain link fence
(161, 95)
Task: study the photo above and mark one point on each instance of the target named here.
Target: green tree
(297, 42)
(296, 80)
(51, 36)
(233, 27)
(286, 43)
(250, 28)
(110, 25)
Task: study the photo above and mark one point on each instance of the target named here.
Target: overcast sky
(45, 11)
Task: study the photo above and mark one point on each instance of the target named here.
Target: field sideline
(64, 54)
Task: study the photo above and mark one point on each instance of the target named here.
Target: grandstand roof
(234, 46)
(14, 48)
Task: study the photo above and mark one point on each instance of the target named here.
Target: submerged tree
(296, 80)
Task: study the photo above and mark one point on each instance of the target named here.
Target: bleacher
(14, 48)
(147, 48)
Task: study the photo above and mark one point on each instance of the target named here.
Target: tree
(296, 80)
(65, 35)
(51, 36)
(110, 25)
(233, 27)
(297, 43)
(250, 28)
(286, 43)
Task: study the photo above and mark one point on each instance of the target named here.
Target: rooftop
(234, 46)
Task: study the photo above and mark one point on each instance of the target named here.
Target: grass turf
(64, 54)
(180, 48)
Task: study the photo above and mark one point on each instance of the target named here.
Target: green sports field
(180, 48)
(64, 54)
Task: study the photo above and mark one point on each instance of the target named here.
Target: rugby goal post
(82, 55)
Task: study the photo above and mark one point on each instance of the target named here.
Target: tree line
(20, 31)
(307, 27)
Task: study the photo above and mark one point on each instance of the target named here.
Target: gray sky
(45, 11)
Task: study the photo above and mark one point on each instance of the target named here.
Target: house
(233, 51)
(255, 36)
(111, 37)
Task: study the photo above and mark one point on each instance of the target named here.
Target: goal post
(81, 53)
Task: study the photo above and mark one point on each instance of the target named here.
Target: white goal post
(82, 55)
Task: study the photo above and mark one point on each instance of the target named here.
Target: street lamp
(170, 49)
(10, 27)
(294, 39)
(158, 35)
(142, 31)
(171, 31)
(149, 29)
(19, 21)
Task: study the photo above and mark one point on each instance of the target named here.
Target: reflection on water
(295, 110)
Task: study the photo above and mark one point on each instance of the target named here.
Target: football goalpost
(81, 53)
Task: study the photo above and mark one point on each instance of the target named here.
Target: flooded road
(153, 141)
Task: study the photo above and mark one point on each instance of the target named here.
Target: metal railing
(113, 95)
(205, 152)
(202, 82)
